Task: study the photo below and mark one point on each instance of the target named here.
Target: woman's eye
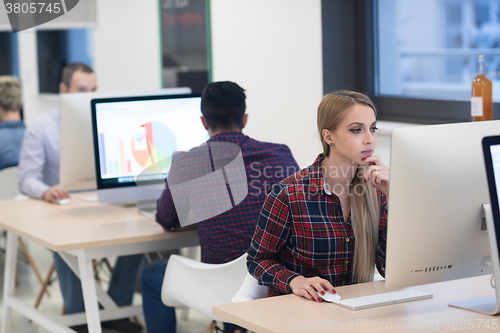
(355, 130)
(373, 129)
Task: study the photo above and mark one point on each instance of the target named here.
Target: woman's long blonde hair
(365, 208)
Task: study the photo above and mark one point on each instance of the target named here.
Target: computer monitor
(436, 226)
(134, 139)
(491, 152)
(77, 168)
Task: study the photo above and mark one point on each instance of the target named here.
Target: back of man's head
(70, 69)
(223, 105)
(11, 97)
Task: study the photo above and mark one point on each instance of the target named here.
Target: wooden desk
(80, 231)
(291, 313)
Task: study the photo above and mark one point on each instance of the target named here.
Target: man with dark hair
(39, 178)
(68, 73)
(223, 106)
(227, 234)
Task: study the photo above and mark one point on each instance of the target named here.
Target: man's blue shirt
(11, 138)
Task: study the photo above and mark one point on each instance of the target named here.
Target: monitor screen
(493, 165)
(491, 152)
(492, 161)
(134, 139)
(77, 167)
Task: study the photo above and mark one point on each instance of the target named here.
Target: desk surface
(80, 224)
(291, 313)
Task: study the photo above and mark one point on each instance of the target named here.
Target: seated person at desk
(328, 222)
(11, 126)
(39, 178)
(226, 236)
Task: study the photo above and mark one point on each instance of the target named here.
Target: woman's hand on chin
(377, 174)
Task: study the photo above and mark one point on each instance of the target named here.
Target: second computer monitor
(436, 227)
(134, 140)
(77, 169)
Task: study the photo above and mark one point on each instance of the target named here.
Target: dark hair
(70, 69)
(223, 105)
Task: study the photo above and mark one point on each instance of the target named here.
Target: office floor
(29, 286)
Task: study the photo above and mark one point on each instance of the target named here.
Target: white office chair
(377, 276)
(8, 183)
(201, 286)
(9, 189)
(249, 290)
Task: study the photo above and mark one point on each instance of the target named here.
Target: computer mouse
(329, 297)
(64, 201)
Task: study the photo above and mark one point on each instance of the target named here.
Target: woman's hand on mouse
(310, 288)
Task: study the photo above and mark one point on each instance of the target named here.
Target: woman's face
(355, 137)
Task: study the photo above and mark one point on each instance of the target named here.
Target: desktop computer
(134, 139)
(77, 168)
(438, 228)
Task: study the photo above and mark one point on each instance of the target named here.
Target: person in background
(226, 236)
(39, 178)
(11, 125)
(326, 226)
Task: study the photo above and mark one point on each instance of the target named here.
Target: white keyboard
(392, 297)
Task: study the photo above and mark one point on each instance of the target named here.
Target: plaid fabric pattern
(301, 231)
(227, 236)
(214, 185)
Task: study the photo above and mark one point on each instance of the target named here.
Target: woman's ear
(327, 136)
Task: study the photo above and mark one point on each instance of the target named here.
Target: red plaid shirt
(227, 236)
(301, 231)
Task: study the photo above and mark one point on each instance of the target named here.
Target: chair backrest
(201, 286)
(249, 290)
(377, 276)
(8, 183)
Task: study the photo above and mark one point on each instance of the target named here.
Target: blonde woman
(326, 225)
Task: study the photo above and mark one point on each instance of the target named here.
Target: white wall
(273, 50)
(126, 45)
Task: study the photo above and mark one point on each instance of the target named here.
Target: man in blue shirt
(39, 178)
(11, 126)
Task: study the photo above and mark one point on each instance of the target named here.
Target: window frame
(363, 14)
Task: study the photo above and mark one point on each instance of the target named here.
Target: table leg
(89, 292)
(106, 301)
(9, 279)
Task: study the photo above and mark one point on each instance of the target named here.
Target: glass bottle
(482, 94)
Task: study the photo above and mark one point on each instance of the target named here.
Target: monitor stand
(147, 208)
(487, 305)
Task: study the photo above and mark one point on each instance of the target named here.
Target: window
(9, 60)
(429, 48)
(184, 43)
(56, 49)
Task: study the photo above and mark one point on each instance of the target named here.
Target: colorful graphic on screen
(153, 146)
